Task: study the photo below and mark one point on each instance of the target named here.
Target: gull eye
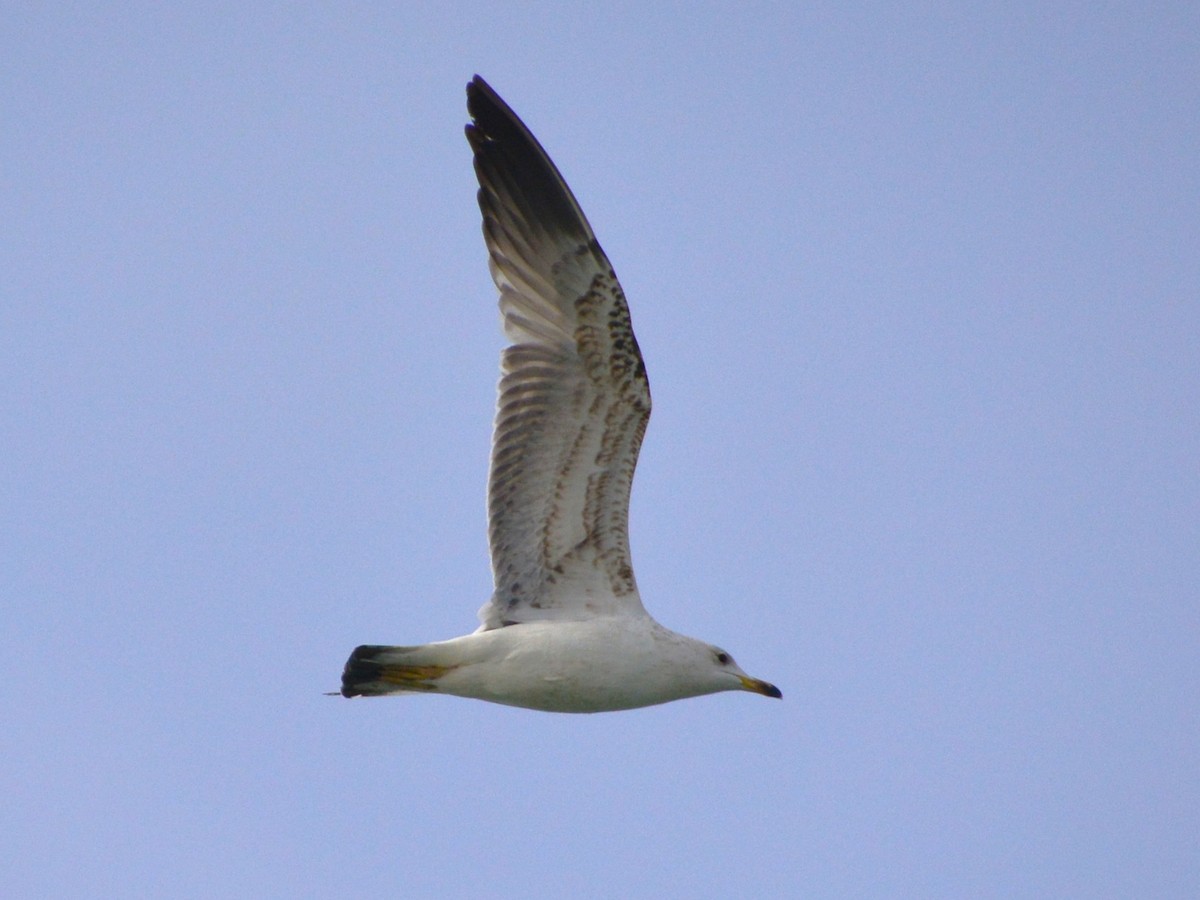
(723, 657)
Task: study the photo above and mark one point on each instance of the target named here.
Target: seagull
(565, 629)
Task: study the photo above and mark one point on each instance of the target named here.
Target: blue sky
(917, 286)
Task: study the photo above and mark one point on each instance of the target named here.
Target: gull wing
(573, 396)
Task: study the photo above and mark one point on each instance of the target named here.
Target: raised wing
(574, 399)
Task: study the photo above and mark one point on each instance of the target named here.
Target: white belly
(595, 665)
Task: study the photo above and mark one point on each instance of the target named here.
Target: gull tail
(375, 671)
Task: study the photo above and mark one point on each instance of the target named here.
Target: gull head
(726, 675)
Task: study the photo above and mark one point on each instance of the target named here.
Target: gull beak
(758, 686)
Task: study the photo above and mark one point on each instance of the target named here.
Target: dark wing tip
(511, 162)
(482, 97)
(477, 86)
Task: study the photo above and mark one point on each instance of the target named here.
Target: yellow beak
(761, 687)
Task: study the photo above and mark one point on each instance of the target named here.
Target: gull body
(568, 666)
(565, 629)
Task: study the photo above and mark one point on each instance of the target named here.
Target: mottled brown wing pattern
(574, 399)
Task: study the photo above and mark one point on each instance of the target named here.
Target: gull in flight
(565, 629)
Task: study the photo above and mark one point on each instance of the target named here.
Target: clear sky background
(918, 286)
